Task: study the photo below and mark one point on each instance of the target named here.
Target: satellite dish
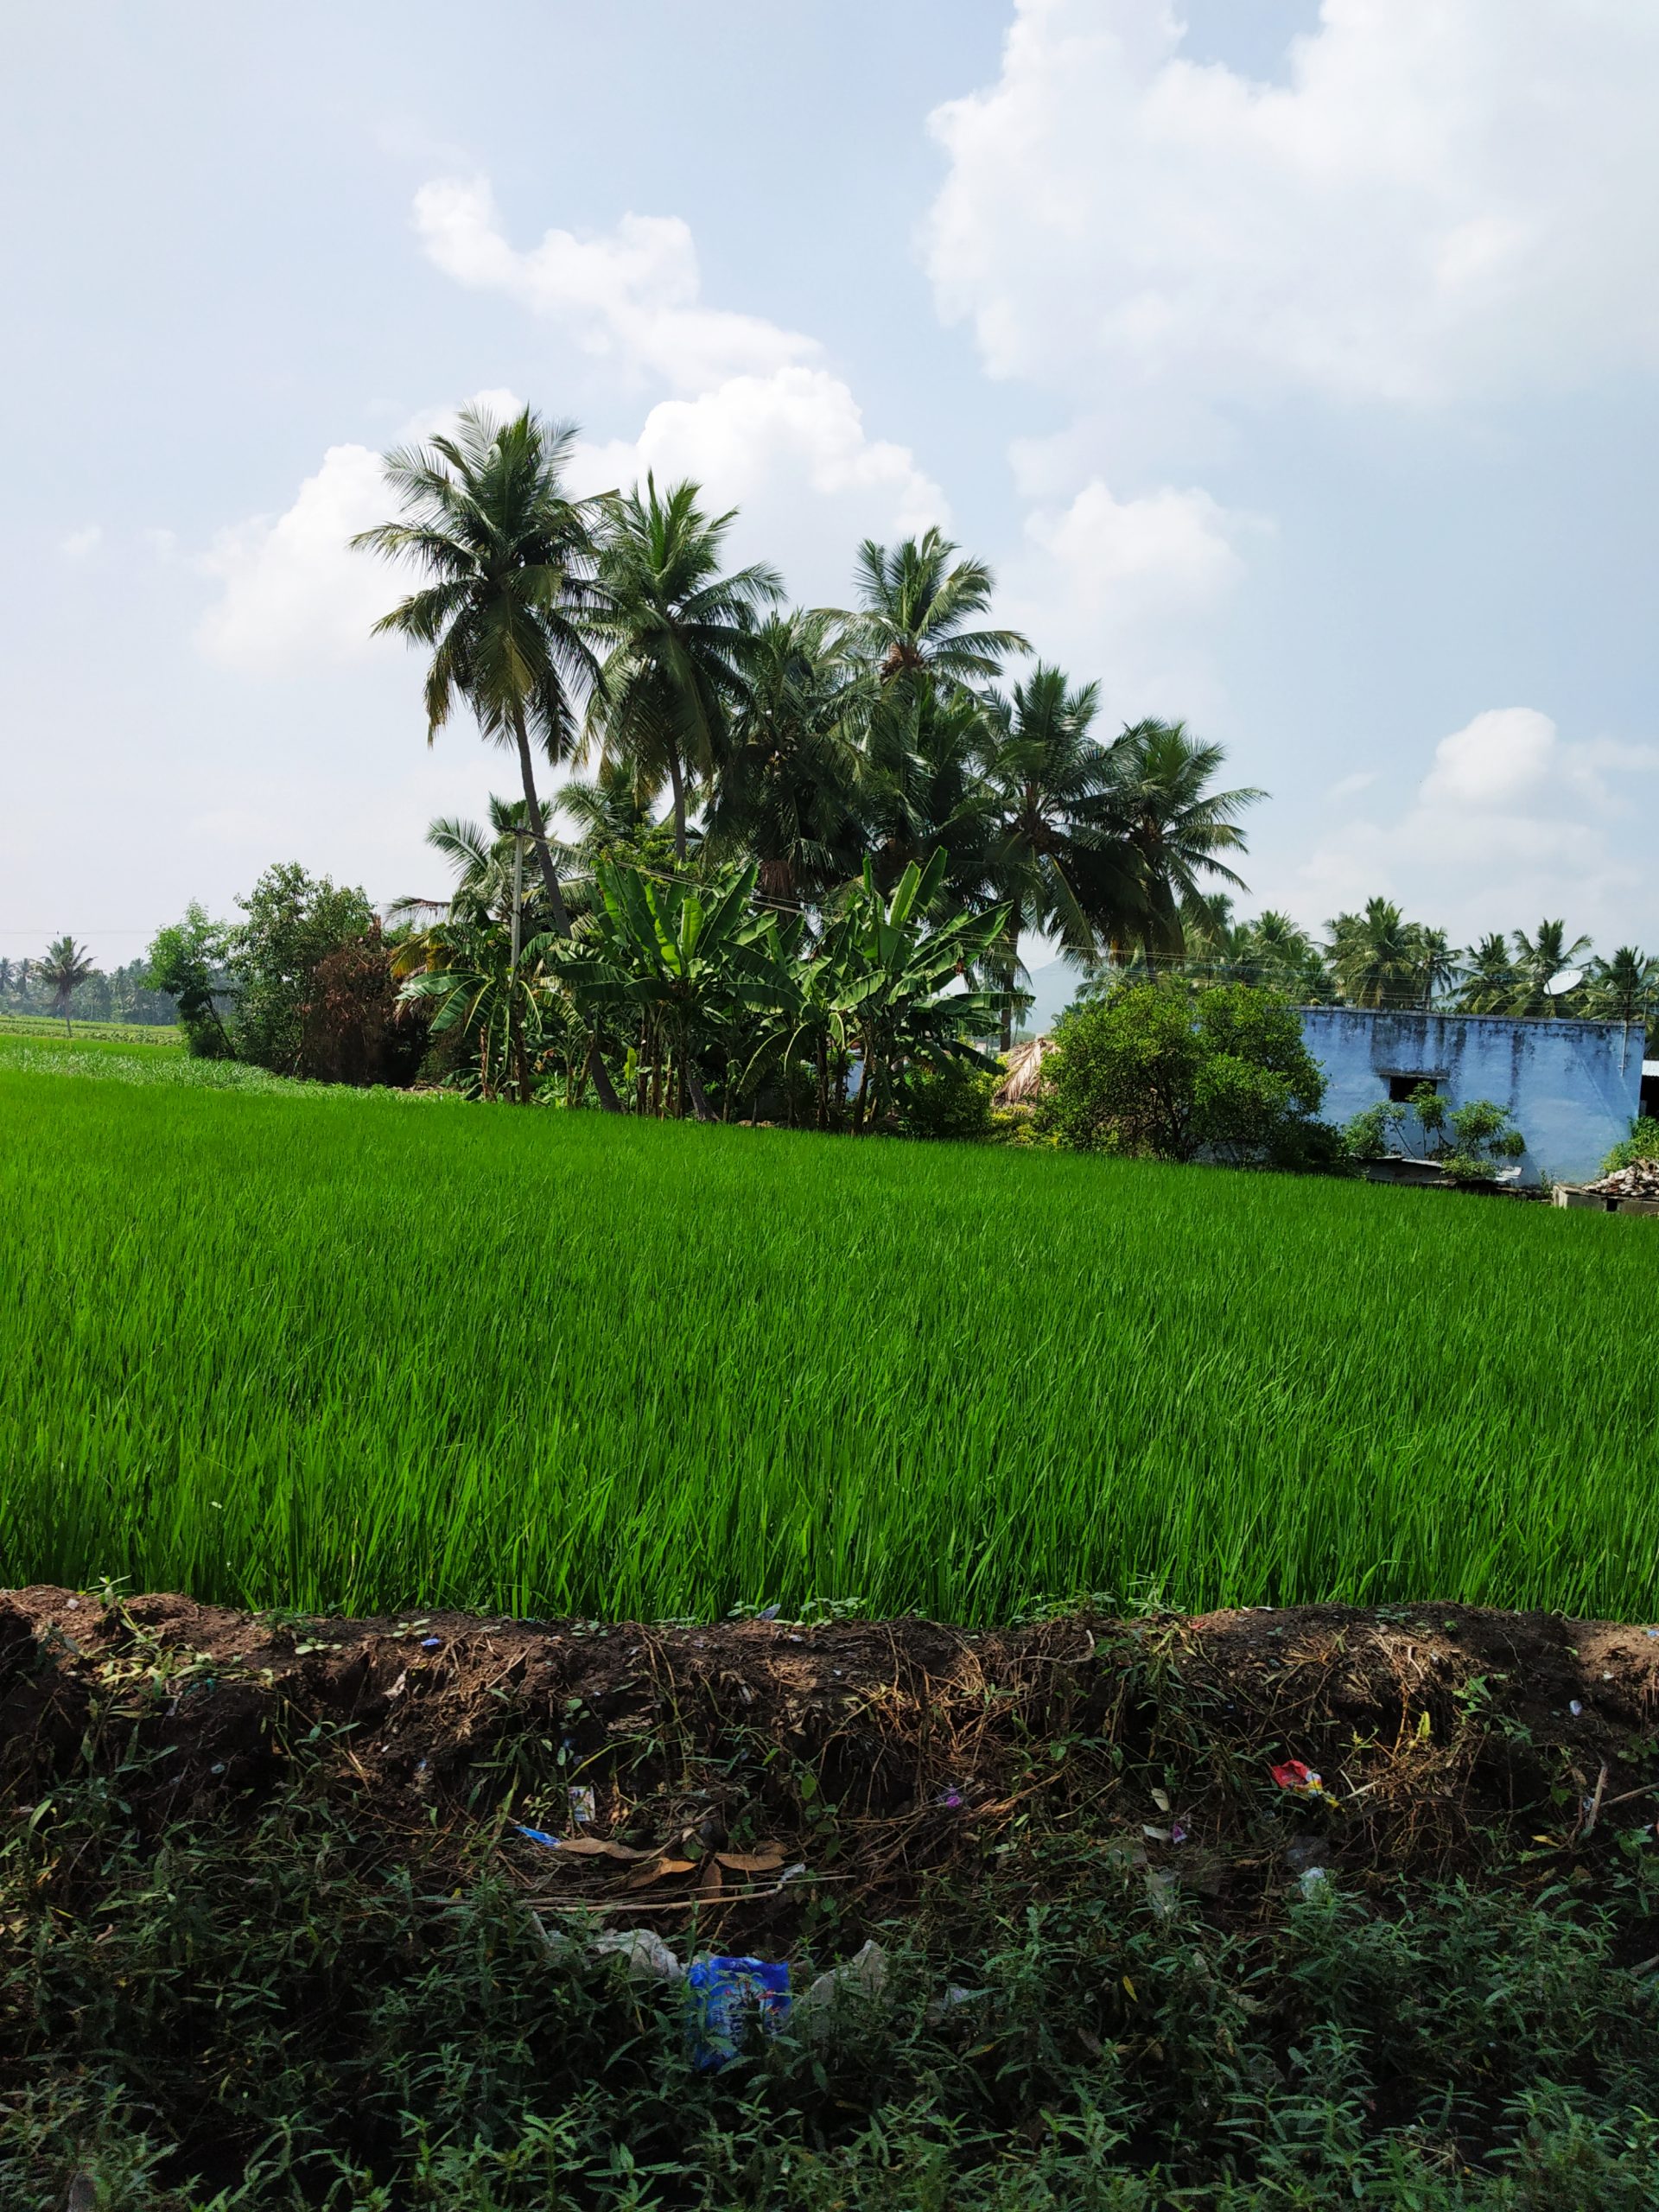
(1563, 980)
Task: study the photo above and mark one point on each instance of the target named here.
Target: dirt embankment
(733, 1774)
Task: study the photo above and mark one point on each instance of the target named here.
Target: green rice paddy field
(328, 1352)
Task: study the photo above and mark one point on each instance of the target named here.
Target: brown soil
(739, 1771)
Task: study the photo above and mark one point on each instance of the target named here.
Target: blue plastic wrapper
(722, 1996)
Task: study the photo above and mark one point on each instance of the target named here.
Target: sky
(1294, 365)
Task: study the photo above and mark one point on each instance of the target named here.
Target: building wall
(1573, 1086)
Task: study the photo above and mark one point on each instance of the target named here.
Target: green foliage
(187, 960)
(1468, 1141)
(1151, 1072)
(327, 1348)
(293, 922)
(953, 1101)
(1643, 1143)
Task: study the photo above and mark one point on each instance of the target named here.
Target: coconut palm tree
(915, 605)
(1540, 958)
(923, 792)
(1175, 826)
(681, 633)
(1376, 957)
(509, 610)
(1624, 987)
(64, 968)
(1437, 963)
(1487, 981)
(1056, 859)
(790, 791)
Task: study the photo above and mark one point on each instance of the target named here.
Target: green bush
(952, 1101)
(1468, 1141)
(294, 922)
(1643, 1143)
(1224, 1076)
(186, 961)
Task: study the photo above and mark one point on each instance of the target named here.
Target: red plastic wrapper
(1292, 1775)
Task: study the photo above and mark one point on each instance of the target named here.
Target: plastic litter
(1312, 1880)
(723, 1996)
(951, 1799)
(582, 1807)
(1574, 1707)
(1306, 1852)
(862, 1977)
(430, 1643)
(538, 1835)
(1177, 1832)
(642, 1951)
(1301, 1781)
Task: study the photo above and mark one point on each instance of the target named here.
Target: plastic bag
(723, 1995)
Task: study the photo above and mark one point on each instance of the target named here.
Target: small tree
(294, 922)
(186, 961)
(353, 1029)
(1223, 1076)
(1468, 1141)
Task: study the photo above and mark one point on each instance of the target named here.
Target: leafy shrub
(953, 1100)
(1224, 1076)
(1643, 1143)
(294, 922)
(186, 961)
(353, 1029)
(1467, 1141)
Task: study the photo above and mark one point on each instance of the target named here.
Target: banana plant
(896, 981)
(689, 958)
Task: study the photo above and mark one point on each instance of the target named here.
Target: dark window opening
(1650, 1096)
(1402, 1088)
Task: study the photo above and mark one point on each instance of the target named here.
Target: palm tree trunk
(603, 1085)
(676, 781)
(1014, 970)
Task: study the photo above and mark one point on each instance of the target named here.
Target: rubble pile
(1639, 1181)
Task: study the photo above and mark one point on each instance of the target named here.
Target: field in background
(350, 1355)
(147, 1034)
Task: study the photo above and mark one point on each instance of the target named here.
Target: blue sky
(1295, 367)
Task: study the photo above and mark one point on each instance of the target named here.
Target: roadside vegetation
(1088, 1941)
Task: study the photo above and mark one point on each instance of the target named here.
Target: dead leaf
(766, 1860)
(659, 1871)
(594, 1847)
(708, 1882)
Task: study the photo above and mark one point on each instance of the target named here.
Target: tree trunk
(693, 1085)
(603, 1085)
(677, 784)
(1014, 970)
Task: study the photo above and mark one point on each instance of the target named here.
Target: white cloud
(790, 451)
(631, 294)
(291, 592)
(1511, 822)
(77, 544)
(1128, 587)
(1442, 202)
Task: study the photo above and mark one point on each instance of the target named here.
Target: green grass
(356, 1355)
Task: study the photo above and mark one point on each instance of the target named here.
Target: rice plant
(324, 1355)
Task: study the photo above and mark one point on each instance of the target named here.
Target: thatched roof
(1023, 1079)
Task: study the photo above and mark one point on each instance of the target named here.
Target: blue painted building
(1574, 1087)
